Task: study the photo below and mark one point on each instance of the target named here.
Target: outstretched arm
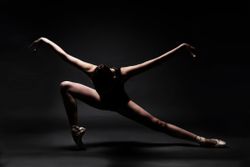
(133, 70)
(83, 66)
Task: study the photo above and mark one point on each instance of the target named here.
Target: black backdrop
(209, 93)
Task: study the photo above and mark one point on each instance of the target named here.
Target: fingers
(190, 49)
(193, 55)
(34, 45)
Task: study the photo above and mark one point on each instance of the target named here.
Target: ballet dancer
(109, 93)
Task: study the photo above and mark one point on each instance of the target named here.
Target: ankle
(77, 130)
(200, 139)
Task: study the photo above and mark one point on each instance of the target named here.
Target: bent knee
(65, 85)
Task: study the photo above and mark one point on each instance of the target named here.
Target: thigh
(85, 94)
(135, 112)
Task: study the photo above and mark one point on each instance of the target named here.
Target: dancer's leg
(138, 114)
(70, 91)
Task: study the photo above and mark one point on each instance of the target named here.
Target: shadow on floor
(126, 145)
(125, 153)
(131, 153)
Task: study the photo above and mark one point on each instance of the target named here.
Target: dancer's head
(104, 72)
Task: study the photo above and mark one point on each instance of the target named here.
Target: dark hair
(102, 74)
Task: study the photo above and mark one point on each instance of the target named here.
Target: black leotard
(110, 86)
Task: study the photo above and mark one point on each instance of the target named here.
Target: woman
(109, 94)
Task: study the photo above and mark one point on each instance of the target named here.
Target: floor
(113, 147)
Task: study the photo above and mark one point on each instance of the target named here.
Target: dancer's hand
(35, 44)
(189, 48)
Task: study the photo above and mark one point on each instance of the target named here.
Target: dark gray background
(210, 91)
(209, 94)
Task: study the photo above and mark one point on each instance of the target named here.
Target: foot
(210, 142)
(77, 133)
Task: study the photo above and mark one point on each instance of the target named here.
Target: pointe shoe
(77, 133)
(210, 142)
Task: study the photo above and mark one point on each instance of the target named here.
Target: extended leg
(138, 114)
